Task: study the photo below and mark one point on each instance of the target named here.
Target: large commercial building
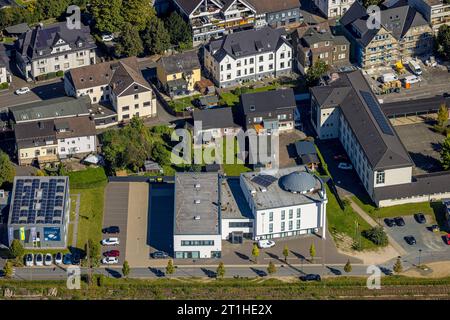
(54, 48)
(39, 212)
(288, 202)
(403, 34)
(248, 55)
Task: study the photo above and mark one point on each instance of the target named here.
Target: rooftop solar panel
(264, 180)
(375, 109)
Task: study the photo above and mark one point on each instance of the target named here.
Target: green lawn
(394, 211)
(180, 105)
(343, 222)
(232, 99)
(87, 178)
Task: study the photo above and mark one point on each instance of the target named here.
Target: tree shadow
(209, 273)
(275, 257)
(334, 271)
(242, 256)
(113, 273)
(157, 272)
(298, 255)
(439, 214)
(259, 273)
(386, 271)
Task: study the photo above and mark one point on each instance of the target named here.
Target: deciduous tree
(170, 269)
(180, 32)
(255, 252)
(16, 249)
(129, 43)
(398, 267)
(285, 253)
(125, 269)
(315, 72)
(220, 272)
(8, 269)
(155, 37)
(445, 154)
(7, 171)
(442, 116)
(107, 15)
(312, 251)
(348, 266)
(271, 268)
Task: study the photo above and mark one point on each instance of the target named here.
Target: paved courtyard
(287, 148)
(423, 145)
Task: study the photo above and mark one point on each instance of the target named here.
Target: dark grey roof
(300, 182)
(361, 109)
(268, 101)
(248, 42)
(52, 109)
(44, 39)
(312, 36)
(215, 118)
(180, 62)
(37, 133)
(428, 184)
(431, 104)
(7, 3)
(397, 20)
(18, 28)
(268, 6)
(305, 147)
(309, 158)
(188, 5)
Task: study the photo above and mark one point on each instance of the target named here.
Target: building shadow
(50, 90)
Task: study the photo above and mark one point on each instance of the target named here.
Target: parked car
(39, 259)
(420, 218)
(112, 229)
(76, 259)
(388, 77)
(399, 221)
(411, 79)
(264, 244)
(110, 260)
(112, 253)
(447, 238)
(29, 260)
(23, 90)
(159, 255)
(67, 259)
(311, 277)
(410, 240)
(345, 166)
(110, 242)
(58, 258)
(48, 259)
(107, 37)
(389, 222)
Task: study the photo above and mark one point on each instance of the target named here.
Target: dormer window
(136, 88)
(80, 44)
(40, 52)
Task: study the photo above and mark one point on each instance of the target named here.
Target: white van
(411, 79)
(388, 77)
(415, 68)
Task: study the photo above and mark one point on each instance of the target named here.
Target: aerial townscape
(243, 149)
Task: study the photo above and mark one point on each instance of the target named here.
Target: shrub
(4, 85)
(60, 73)
(376, 235)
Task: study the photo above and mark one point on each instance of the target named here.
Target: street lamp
(420, 253)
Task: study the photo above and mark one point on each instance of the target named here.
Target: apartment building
(177, 74)
(119, 84)
(403, 34)
(197, 230)
(75, 136)
(267, 111)
(312, 44)
(280, 13)
(54, 48)
(333, 8)
(213, 124)
(215, 18)
(346, 109)
(436, 12)
(248, 55)
(287, 202)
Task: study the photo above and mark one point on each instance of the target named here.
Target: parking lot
(427, 240)
(423, 145)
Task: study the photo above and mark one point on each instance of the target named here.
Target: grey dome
(301, 182)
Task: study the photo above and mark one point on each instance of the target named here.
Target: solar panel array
(375, 109)
(264, 180)
(38, 201)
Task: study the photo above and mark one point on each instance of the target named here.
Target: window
(270, 227)
(197, 243)
(271, 56)
(282, 117)
(126, 116)
(63, 149)
(270, 216)
(291, 213)
(282, 55)
(283, 226)
(380, 177)
(136, 96)
(238, 63)
(229, 66)
(282, 65)
(136, 106)
(298, 225)
(261, 68)
(283, 214)
(257, 119)
(252, 60)
(299, 212)
(240, 224)
(271, 66)
(126, 108)
(238, 73)
(291, 225)
(261, 58)
(147, 104)
(252, 70)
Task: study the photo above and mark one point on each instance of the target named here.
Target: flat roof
(234, 204)
(196, 204)
(275, 196)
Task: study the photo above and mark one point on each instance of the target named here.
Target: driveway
(427, 240)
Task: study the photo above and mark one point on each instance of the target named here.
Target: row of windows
(187, 243)
(240, 224)
(283, 226)
(283, 214)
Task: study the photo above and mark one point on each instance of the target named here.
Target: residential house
(436, 12)
(307, 154)
(312, 44)
(403, 34)
(333, 8)
(54, 48)
(286, 202)
(269, 110)
(212, 124)
(75, 136)
(280, 13)
(119, 83)
(248, 55)
(215, 18)
(177, 74)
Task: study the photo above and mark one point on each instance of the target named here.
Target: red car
(447, 238)
(112, 253)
